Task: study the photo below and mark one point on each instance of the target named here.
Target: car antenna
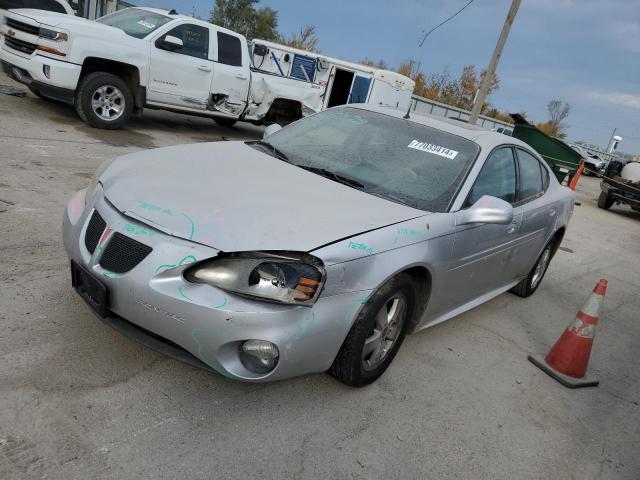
(408, 110)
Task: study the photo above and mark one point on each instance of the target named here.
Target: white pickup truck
(139, 58)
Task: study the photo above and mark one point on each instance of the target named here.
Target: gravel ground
(78, 400)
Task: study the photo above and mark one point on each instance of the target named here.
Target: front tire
(376, 334)
(104, 101)
(605, 201)
(529, 285)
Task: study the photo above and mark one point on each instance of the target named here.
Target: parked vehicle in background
(342, 82)
(317, 248)
(592, 162)
(621, 185)
(139, 58)
(59, 6)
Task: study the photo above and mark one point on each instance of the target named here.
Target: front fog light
(259, 356)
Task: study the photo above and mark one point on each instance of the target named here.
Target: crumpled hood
(233, 197)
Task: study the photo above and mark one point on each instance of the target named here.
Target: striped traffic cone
(568, 359)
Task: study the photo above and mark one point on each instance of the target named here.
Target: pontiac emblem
(11, 33)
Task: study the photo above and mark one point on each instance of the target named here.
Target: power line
(442, 23)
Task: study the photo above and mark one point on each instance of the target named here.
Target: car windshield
(135, 22)
(398, 159)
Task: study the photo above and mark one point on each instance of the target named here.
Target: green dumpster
(559, 156)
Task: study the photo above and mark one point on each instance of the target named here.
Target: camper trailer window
(229, 50)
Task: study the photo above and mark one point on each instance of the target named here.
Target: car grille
(23, 27)
(123, 253)
(94, 231)
(19, 45)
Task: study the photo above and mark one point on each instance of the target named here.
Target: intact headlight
(91, 188)
(293, 278)
(53, 35)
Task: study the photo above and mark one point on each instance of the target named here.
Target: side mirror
(487, 209)
(273, 128)
(171, 43)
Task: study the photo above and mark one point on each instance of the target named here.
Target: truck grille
(123, 253)
(23, 27)
(19, 45)
(94, 231)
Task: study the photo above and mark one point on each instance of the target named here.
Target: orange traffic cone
(576, 177)
(565, 182)
(568, 359)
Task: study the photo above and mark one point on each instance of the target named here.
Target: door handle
(204, 68)
(512, 228)
(552, 212)
(241, 77)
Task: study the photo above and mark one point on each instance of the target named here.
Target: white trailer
(342, 82)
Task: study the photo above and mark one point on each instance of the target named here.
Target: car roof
(487, 139)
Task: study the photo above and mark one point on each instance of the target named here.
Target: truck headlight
(53, 35)
(91, 188)
(285, 277)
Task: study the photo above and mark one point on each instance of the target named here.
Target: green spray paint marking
(155, 208)
(136, 230)
(301, 329)
(111, 275)
(200, 355)
(223, 304)
(361, 246)
(193, 226)
(405, 232)
(182, 261)
(181, 292)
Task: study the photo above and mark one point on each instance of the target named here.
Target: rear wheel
(104, 100)
(226, 122)
(605, 201)
(377, 333)
(529, 285)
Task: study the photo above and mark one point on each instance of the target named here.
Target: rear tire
(605, 201)
(225, 122)
(392, 305)
(530, 284)
(104, 101)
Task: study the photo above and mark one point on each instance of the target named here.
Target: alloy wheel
(108, 102)
(541, 267)
(385, 332)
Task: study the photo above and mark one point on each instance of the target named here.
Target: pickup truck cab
(139, 58)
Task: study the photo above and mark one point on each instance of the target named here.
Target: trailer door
(360, 89)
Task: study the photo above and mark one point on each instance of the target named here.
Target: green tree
(242, 16)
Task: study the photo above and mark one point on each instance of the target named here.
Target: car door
(230, 84)
(181, 76)
(481, 256)
(538, 211)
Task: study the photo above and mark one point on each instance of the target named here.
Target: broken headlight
(287, 278)
(53, 35)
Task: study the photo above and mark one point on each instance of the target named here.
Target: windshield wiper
(277, 153)
(334, 176)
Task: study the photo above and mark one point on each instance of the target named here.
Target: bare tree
(558, 113)
(305, 40)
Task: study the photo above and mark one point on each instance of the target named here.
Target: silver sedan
(317, 248)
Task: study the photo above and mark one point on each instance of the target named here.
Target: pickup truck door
(181, 76)
(230, 83)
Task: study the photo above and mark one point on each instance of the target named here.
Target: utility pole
(488, 78)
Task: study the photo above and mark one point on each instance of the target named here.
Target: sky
(584, 52)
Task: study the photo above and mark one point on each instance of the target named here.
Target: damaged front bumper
(200, 324)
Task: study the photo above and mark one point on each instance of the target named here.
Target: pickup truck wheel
(225, 122)
(605, 201)
(104, 101)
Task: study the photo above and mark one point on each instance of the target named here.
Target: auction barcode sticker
(435, 149)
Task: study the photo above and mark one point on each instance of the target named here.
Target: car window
(530, 176)
(195, 39)
(135, 22)
(497, 177)
(402, 160)
(229, 50)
